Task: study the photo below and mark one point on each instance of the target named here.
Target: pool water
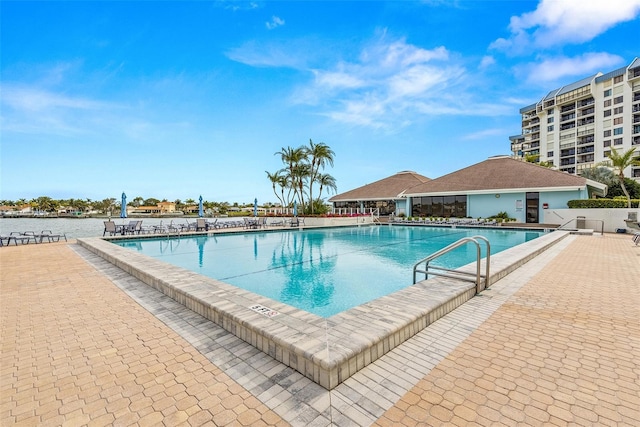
(322, 271)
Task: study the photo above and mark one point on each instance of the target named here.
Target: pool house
(383, 197)
(499, 184)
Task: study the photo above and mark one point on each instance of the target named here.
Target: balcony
(586, 159)
(586, 102)
(566, 162)
(586, 112)
(566, 117)
(584, 150)
(586, 131)
(586, 140)
(567, 153)
(566, 126)
(633, 73)
(586, 121)
(635, 140)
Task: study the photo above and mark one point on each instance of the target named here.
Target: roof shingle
(499, 173)
(385, 189)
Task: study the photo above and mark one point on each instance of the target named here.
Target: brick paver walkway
(77, 351)
(563, 350)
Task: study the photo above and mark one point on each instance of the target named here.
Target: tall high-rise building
(575, 126)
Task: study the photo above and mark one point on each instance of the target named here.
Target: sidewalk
(563, 349)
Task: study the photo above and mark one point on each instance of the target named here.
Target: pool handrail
(458, 274)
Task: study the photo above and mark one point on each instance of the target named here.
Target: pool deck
(555, 343)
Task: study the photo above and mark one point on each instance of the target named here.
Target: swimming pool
(322, 271)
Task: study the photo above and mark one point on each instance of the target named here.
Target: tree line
(48, 204)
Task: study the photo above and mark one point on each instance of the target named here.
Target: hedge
(601, 203)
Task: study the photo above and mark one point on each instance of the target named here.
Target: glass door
(533, 208)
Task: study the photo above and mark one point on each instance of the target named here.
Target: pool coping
(325, 350)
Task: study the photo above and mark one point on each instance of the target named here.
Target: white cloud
(274, 23)
(387, 85)
(487, 61)
(558, 22)
(556, 68)
(258, 54)
(35, 99)
(485, 133)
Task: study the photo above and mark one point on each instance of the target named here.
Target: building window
(549, 154)
(607, 133)
(607, 92)
(617, 121)
(617, 99)
(617, 141)
(550, 111)
(607, 153)
(617, 79)
(617, 131)
(607, 143)
(439, 206)
(550, 119)
(550, 128)
(617, 110)
(607, 103)
(607, 113)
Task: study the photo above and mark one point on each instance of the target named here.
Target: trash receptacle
(580, 222)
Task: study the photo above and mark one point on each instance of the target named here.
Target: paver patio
(556, 343)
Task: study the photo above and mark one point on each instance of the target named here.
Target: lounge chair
(47, 234)
(134, 227)
(14, 237)
(636, 238)
(213, 224)
(201, 224)
(109, 227)
(277, 223)
(295, 222)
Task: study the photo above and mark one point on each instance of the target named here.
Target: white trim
(498, 190)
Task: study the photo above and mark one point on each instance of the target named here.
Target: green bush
(601, 203)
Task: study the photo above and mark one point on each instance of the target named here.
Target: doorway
(533, 208)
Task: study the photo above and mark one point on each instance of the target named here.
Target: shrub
(602, 203)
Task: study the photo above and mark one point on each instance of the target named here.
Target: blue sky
(173, 100)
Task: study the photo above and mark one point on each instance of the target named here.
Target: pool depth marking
(265, 311)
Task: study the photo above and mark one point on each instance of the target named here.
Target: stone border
(325, 350)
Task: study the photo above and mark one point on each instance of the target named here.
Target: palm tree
(276, 178)
(599, 174)
(326, 181)
(619, 162)
(300, 175)
(291, 157)
(320, 155)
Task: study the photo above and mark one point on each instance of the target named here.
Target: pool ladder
(457, 274)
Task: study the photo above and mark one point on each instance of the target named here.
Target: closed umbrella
(295, 208)
(200, 208)
(255, 207)
(123, 206)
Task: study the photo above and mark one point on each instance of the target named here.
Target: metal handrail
(457, 274)
(575, 220)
